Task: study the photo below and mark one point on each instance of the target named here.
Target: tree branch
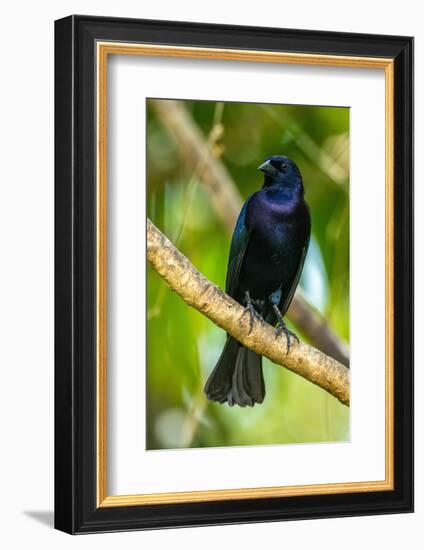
(227, 202)
(316, 328)
(197, 291)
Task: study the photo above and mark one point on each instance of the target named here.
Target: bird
(267, 253)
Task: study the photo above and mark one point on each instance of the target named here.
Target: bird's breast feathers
(277, 216)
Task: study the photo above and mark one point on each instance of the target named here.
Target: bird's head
(281, 172)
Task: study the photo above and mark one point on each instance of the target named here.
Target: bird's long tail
(237, 377)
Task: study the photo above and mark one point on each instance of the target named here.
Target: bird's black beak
(267, 168)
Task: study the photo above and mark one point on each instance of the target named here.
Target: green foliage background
(183, 346)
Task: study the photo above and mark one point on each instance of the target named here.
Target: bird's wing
(237, 250)
(286, 301)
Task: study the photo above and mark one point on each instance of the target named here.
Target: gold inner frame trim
(104, 49)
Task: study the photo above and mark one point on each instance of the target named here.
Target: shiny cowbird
(267, 253)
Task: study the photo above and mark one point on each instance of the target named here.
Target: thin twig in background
(227, 202)
(197, 291)
(213, 138)
(196, 152)
(326, 162)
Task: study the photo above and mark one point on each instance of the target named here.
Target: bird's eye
(279, 164)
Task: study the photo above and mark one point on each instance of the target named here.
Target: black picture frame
(76, 510)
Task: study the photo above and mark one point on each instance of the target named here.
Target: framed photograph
(234, 274)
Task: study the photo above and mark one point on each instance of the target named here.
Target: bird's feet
(281, 327)
(252, 312)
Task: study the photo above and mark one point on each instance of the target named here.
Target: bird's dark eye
(279, 165)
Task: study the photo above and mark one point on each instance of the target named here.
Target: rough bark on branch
(197, 291)
(227, 202)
